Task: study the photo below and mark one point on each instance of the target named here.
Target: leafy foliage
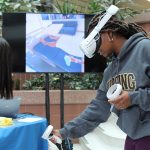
(71, 81)
(37, 83)
(96, 6)
(18, 6)
(66, 7)
(4, 5)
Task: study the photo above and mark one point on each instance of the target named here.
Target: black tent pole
(47, 98)
(62, 100)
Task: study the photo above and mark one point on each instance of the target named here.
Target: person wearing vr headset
(128, 46)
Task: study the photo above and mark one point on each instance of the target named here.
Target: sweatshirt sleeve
(141, 96)
(97, 112)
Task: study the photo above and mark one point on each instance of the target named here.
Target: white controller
(113, 92)
(46, 135)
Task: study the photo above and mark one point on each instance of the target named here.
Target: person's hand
(122, 101)
(56, 133)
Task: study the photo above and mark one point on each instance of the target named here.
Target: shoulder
(144, 42)
(144, 45)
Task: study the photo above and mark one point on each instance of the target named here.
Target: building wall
(75, 102)
(146, 26)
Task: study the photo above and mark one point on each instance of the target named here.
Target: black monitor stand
(62, 100)
(47, 98)
(67, 143)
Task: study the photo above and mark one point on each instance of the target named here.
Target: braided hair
(5, 70)
(116, 26)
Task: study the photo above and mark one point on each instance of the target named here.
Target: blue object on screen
(44, 16)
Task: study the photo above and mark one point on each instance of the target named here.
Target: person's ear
(110, 36)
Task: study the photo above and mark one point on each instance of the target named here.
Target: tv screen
(52, 43)
(44, 42)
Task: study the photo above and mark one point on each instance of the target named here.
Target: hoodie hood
(130, 43)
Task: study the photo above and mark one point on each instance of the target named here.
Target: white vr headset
(88, 45)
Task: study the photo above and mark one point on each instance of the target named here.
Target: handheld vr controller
(47, 135)
(113, 92)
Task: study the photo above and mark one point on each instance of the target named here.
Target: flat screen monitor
(52, 43)
(45, 42)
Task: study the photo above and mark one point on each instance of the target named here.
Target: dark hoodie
(131, 68)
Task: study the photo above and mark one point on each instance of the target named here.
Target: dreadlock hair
(5, 70)
(116, 26)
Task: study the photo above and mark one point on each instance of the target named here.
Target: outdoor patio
(38, 109)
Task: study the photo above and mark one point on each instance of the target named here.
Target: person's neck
(118, 44)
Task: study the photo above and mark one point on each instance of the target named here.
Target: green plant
(4, 5)
(75, 81)
(16, 84)
(66, 7)
(96, 6)
(18, 6)
(85, 81)
(36, 83)
(24, 6)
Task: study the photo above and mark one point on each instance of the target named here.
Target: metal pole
(47, 98)
(67, 144)
(62, 100)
